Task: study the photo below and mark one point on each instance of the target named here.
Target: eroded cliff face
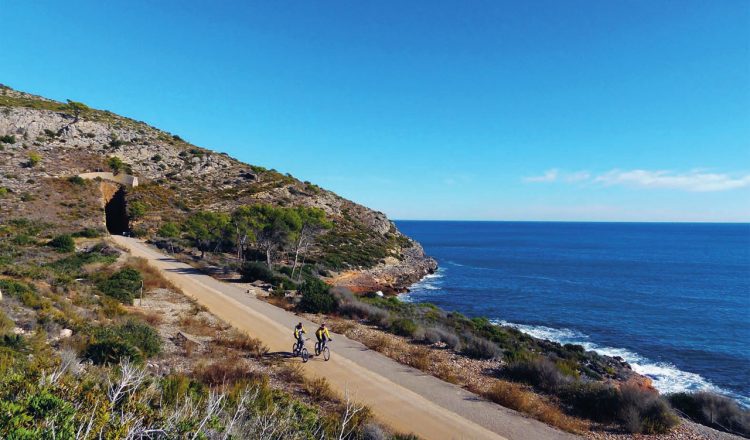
(176, 178)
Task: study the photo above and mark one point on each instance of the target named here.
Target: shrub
(132, 340)
(136, 209)
(643, 411)
(227, 371)
(3, 191)
(713, 410)
(77, 180)
(357, 309)
(316, 297)
(433, 335)
(479, 348)
(8, 139)
(63, 243)
(319, 390)
(539, 372)
(242, 341)
(115, 163)
(142, 336)
(403, 327)
(122, 285)
(89, 233)
(34, 159)
(253, 270)
(112, 352)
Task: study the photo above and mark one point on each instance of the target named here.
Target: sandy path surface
(402, 397)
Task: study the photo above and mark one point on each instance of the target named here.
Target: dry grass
(227, 371)
(152, 277)
(379, 342)
(342, 327)
(197, 326)
(152, 318)
(280, 302)
(515, 396)
(420, 358)
(446, 372)
(241, 341)
(320, 390)
(291, 373)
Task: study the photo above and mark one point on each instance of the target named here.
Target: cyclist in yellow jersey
(298, 332)
(322, 334)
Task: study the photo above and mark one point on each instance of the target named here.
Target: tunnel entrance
(117, 214)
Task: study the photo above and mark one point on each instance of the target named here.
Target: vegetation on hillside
(77, 362)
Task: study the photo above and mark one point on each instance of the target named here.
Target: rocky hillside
(44, 143)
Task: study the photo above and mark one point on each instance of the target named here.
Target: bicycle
(298, 349)
(324, 349)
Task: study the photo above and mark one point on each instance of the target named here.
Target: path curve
(402, 397)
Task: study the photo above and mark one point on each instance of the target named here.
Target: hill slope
(44, 142)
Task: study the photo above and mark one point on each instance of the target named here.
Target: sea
(672, 299)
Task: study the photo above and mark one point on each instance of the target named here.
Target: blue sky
(541, 110)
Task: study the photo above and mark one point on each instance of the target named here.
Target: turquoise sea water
(673, 299)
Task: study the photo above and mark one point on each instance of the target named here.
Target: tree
(242, 224)
(272, 228)
(115, 164)
(76, 108)
(205, 228)
(313, 221)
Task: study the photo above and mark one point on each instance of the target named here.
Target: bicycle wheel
(317, 349)
(305, 356)
(326, 353)
(294, 349)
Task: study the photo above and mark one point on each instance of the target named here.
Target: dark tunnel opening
(117, 214)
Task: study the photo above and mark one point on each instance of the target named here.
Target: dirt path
(402, 397)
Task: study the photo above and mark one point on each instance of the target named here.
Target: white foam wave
(666, 377)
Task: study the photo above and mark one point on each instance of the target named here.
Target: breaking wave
(666, 377)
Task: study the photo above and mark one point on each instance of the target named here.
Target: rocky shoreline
(393, 276)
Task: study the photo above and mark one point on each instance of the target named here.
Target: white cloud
(694, 181)
(579, 176)
(548, 176)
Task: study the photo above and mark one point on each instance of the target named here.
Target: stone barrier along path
(402, 397)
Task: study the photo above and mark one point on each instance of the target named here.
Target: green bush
(3, 191)
(115, 163)
(316, 297)
(593, 400)
(539, 372)
(122, 285)
(638, 410)
(713, 410)
(89, 233)
(253, 270)
(112, 352)
(34, 159)
(403, 327)
(77, 180)
(63, 243)
(22, 292)
(133, 340)
(8, 139)
(136, 209)
(479, 348)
